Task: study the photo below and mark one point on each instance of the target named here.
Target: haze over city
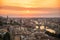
(29, 19)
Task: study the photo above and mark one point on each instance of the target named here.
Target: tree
(6, 36)
(1, 37)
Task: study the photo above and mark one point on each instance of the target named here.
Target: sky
(30, 8)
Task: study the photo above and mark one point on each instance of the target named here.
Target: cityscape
(29, 28)
(29, 19)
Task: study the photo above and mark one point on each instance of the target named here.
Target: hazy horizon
(30, 8)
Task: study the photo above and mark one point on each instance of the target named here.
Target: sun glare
(28, 7)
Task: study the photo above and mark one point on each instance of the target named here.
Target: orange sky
(30, 7)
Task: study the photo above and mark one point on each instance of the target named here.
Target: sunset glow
(29, 7)
(32, 3)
